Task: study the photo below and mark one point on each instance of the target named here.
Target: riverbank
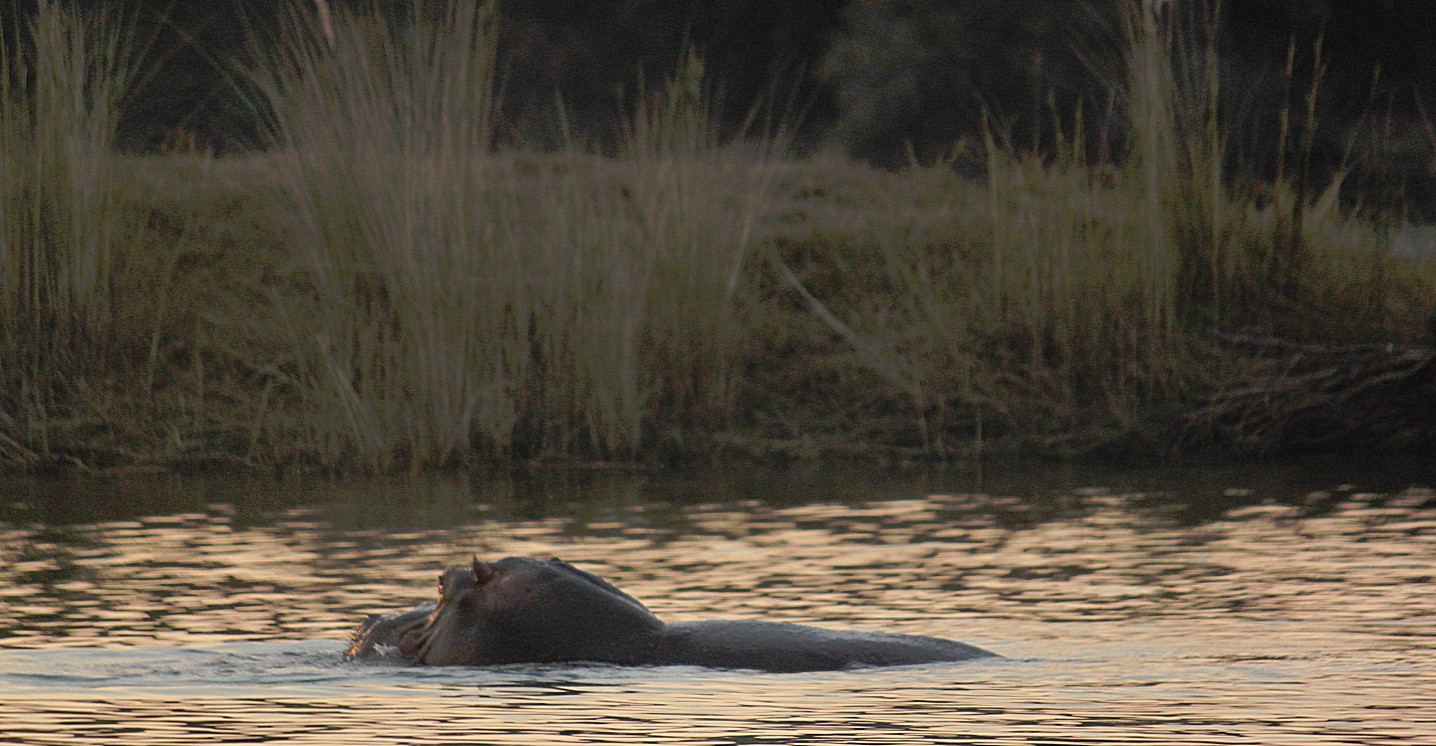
(386, 288)
(873, 315)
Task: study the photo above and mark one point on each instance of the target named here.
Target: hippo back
(781, 647)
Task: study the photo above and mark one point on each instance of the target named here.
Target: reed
(1046, 303)
(405, 343)
(465, 304)
(1022, 308)
(697, 199)
(1062, 302)
(61, 79)
(406, 295)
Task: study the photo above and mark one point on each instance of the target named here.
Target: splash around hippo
(525, 610)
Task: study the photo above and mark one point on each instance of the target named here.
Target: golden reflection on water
(1268, 624)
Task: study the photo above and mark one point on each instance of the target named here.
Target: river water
(1247, 605)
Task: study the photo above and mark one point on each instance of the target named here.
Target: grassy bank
(383, 290)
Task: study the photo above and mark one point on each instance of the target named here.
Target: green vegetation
(385, 289)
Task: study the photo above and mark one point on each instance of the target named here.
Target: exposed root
(1361, 397)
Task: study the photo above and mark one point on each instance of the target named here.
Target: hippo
(526, 610)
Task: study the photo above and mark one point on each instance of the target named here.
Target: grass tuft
(61, 78)
(467, 304)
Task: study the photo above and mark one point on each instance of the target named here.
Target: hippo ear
(482, 572)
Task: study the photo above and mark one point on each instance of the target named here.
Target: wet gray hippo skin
(524, 610)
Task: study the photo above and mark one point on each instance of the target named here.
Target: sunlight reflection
(1268, 623)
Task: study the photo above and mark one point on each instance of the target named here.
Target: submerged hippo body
(523, 610)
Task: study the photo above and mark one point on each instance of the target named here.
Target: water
(1243, 606)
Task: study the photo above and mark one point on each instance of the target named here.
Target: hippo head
(523, 610)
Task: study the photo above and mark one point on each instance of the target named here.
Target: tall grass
(643, 257)
(410, 339)
(1047, 301)
(61, 78)
(697, 200)
(1063, 301)
(445, 302)
(1021, 308)
(466, 304)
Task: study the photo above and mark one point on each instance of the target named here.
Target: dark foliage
(885, 78)
(594, 55)
(599, 55)
(915, 76)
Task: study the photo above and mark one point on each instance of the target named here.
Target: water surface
(1242, 606)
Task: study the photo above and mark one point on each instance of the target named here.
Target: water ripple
(1300, 622)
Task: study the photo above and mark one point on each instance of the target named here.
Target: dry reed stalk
(60, 221)
(461, 307)
(406, 351)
